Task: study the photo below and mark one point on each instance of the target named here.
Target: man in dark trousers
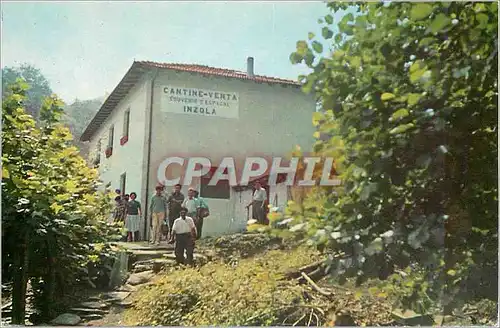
(258, 202)
(203, 212)
(184, 236)
(175, 201)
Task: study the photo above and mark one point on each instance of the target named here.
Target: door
(123, 182)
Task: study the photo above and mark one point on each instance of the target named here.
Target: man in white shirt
(183, 233)
(191, 203)
(258, 203)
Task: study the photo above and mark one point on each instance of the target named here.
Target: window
(97, 159)
(109, 149)
(111, 136)
(220, 191)
(126, 122)
(123, 180)
(126, 126)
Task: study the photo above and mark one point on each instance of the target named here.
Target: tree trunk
(51, 280)
(21, 262)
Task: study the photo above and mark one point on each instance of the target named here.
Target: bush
(409, 96)
(249, 293)
(54, 221)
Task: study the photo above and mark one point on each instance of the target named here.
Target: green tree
(39, 86)
(54, 219)
(409, 96)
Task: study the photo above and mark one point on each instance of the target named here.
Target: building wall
(128, 158)
(272, 120)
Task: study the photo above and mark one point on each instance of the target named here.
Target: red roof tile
(207, 70)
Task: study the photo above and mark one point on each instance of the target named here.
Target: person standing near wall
(133, 218)
(202, 213)
(258, 203)
(158, 210)
(120, 211)
(191, 203)
(175, 201)
(184, 236)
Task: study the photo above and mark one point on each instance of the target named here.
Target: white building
(163, 110)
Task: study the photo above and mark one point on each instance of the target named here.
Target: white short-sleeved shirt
(183, 226)
(260, 195)
(190, 204)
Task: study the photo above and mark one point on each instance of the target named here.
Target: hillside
(253, 279)
(78, 115)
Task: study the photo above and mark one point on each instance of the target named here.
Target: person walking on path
(133, 218)
(203, 212)
(175, 201)
(158, 210)
(184, 236)
(258, 203)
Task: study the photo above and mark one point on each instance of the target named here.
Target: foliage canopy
(54, 221)
(39, 86)
(409, 105)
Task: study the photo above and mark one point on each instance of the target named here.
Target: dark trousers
(258, 212)
(184, 242)
(174, 214)
(198, 222)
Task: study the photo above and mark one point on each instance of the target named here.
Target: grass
(247, 293)
(245, 286)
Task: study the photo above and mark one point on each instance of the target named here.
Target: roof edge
(94, 125)
(138, 67)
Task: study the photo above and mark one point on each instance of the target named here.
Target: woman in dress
(133, 217)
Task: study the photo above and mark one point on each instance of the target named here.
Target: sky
(85, 48)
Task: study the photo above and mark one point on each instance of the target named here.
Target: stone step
(126, 288)
(144, 255)
(140, 278)
(90, 317)
(143, 262)
(113, 297)
(142, 268)
(143, 246)
(125, 304)
(66, 319)
(94, 305)
(86, 311)
(94, 299)
(160, 264)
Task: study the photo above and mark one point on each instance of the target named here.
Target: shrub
(249, 293)
(54, 220)
(409, 112)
